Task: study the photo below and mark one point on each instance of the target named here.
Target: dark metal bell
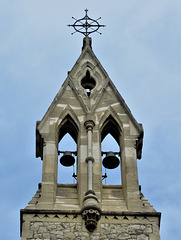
(67, 159)
(110, 161)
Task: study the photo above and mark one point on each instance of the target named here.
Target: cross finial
(86, 25)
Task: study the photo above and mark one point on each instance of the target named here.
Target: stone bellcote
(89, 107)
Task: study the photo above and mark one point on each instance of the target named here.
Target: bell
(110, 161)
(67, 159)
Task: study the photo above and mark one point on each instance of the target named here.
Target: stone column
(89, 126)
(90, 210)
(49, 175)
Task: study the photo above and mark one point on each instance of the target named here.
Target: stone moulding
(80, 213)
(133, 214)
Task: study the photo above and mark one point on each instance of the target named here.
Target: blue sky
(141, 51)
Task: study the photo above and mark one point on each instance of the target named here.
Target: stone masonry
(65, 231)
(88, 107)
(64, 227)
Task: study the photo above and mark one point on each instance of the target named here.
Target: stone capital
(89, 124)
(89, 159)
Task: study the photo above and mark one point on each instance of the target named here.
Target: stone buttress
(88, 107)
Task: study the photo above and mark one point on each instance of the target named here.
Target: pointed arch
(88, 65)
(95, 72)
(111, 126)
(82, 70)
(110, 123)
(68, 123)
(113, 175)
(67, 166)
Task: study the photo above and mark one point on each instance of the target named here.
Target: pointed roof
(87, 59)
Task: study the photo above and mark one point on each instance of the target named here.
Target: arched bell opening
(111, 165)
(67, 151)
(88, 83)
(110, 149)
(67, 160)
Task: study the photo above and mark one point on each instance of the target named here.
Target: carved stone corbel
(91, 217)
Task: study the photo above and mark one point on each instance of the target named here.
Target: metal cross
(86, 25)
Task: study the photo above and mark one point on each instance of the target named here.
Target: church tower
(88, 107)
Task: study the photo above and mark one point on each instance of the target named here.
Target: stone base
(56, 225)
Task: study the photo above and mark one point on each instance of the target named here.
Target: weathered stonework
(57, 226)
(44, 230)
(89, 107)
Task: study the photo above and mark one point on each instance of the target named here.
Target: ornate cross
(86, 25)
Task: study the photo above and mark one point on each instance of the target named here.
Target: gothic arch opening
(67, 148)
(111, 126)
(68, 125)
(65, 173)
(110, 142)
